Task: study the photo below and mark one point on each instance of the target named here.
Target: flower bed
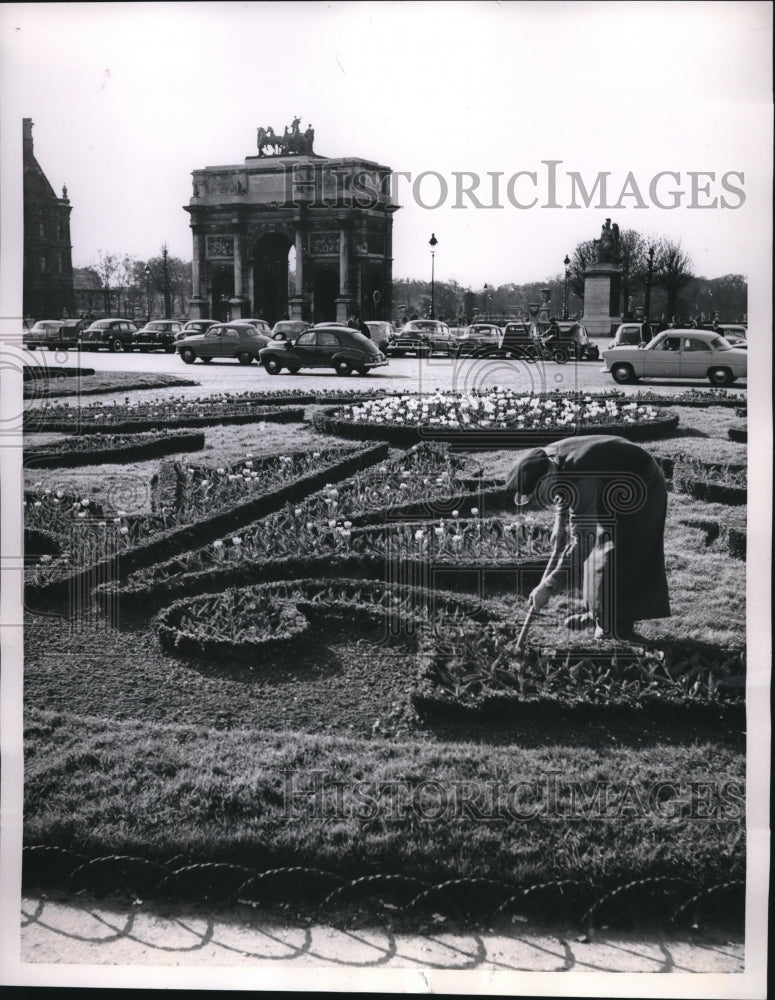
(104, 383)
(152, 538)
(426, 480)
(41, 372)
(498, 416)
(99, 449)
(87, 422)
(262, 620)
(481, 674)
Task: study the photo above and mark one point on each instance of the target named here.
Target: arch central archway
(270, 276)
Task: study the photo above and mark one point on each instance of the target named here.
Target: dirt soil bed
(348, 683)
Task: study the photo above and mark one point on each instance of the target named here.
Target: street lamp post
(148, 293)
(432, 243)
(566, 262)
(649, 273)
(484, 301)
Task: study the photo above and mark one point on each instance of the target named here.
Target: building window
(43, 264)
(42, 229)
(61, 263)
(59, 230)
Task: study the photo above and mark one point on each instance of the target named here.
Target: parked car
(195, 326)
(735, 333)
(238, 339)
(260, 324)
(519, 341)
(422, 337)
(632, 334)
(114, 334)
(679, 354)
(381, 333)
(333, 346)
(55, 334)
(287, 329)
(158, 334)
(563, 341)
(478, 338)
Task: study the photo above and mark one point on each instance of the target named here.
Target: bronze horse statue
(291, 142)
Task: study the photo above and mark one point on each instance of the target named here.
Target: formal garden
(272, 660)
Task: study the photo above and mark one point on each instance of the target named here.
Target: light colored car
(260, 324)
(479, 338)
(195, 326)
(55, 334)
(381, 333)
(679, 354)
(238, 340)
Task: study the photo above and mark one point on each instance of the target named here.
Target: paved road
(98, 933)
(408, 374)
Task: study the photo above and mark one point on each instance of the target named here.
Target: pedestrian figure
(608, 539)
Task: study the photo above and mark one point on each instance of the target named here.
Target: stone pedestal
(343, 309)
(296, 306)
(602, 299)
(239, 307)
(197, 308)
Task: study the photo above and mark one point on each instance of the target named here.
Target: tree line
(122, 285)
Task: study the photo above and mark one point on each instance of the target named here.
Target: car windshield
(43, 325)
(425, 324)
(720, 344)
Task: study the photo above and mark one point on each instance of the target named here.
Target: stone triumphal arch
(291, 233)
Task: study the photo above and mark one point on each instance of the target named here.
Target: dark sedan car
(337, 347)
(422, 337)
(115, 334)
(158, 334)
(239, 339)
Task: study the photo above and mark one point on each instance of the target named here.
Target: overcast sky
(128, 99)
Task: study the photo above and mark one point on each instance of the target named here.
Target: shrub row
(101, 449)
(401, 435)
(206, 529)
(739, 434)
(37, 421)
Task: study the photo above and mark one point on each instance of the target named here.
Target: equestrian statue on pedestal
(293, 142)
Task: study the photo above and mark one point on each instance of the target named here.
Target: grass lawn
(130, 751)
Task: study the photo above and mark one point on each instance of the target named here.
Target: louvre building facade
(48, 268)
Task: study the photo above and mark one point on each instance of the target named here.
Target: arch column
(197, 306)
(238, 305)
(343, 300)
(296, 302)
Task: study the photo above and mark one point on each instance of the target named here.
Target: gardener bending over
(608, 539)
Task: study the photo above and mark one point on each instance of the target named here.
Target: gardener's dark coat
(613, 509)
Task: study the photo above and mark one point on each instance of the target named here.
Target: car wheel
(623, 373)
(117, 346)
(560, 355)
(293, 369)
(720, 376)
(245, 358)
(342, 367)
(207, 360)
(362, 370)
(423, 352)
(398, 354)
(273, 366)
(31, 347)
(188, 355)
(169, 350)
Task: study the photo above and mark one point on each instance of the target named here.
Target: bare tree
(106, 267)
(672, 270)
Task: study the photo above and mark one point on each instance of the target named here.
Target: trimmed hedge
(711, 492)
(739, 434)
(276, 415)
(38, 542)
(182, 537)
(74, 451)
(402, 435)
(464, 576)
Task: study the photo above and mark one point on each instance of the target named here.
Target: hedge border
(276, 415)
(168, 543)
(43, 457)
(403, 435)
(714, 492)
(738, 434)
